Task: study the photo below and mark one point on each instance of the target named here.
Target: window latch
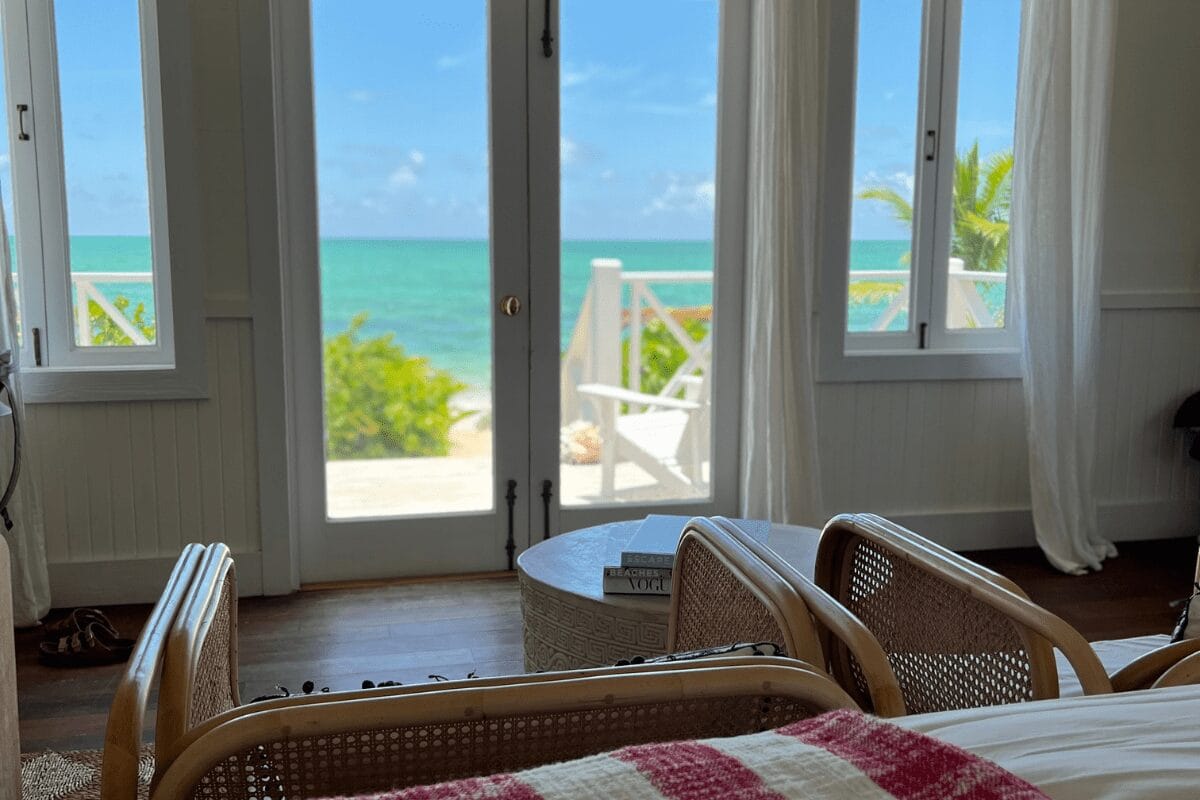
(930, 144)
(923, 335)
(22, 109)
(37, 347)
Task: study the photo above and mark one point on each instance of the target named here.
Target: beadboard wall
(950, 457)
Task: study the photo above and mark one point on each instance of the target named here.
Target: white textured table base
(569, 632)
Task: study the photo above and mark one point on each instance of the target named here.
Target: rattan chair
(330, 746)
(10, 733)
(727, 587)
(200, 668)
(957, 635)
(123, 753)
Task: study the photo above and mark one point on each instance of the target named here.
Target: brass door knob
(510, 305)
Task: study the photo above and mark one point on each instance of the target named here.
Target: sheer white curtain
(779, 474)
(27, 539)
(1064, 95)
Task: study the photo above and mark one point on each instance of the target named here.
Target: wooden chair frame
(831, 622)
(1141, 673)
(781, 601)
(1039, 630)
(123, 735)
(537, 695)
(184, 646)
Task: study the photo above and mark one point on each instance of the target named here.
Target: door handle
(22, 108)
(510, 305)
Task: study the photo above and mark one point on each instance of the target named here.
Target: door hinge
(930, 145)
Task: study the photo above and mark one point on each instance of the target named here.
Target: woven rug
(74, 775)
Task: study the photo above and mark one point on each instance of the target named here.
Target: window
(88, 175)
(920, 266)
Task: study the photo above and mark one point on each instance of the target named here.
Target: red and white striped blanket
(843, 755)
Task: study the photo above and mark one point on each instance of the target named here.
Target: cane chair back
(722, 594)
(10, 734)
(957, 635)
(122, 756)
(200, 678)
(358, 746)
(879, 691)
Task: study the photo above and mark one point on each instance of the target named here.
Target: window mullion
(25, 224)
(51, 185)
(941, 228)
(929, 179)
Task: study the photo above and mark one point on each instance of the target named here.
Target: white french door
(460, 352)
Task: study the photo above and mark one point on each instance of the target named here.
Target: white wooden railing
(594, 352)
(965, 306)
(86, 289)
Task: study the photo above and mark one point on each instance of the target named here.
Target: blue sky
(402, 118)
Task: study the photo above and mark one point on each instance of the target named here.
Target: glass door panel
(881, 234)
(977, 275)
(402, 151)
(638, 170)
(109, 248)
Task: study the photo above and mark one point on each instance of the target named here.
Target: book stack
(646, 562)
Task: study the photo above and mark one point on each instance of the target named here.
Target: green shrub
(662, 354)
(381, 402)
(106, 332)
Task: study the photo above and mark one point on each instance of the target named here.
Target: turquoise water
(434, 294)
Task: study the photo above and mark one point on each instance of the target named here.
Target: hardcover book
(637, 580)
(655, 541)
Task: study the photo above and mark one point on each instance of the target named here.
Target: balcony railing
(87, 288)
(965, 305)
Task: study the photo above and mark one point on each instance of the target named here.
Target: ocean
(434, 296)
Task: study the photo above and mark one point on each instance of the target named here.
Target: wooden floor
(338, 638)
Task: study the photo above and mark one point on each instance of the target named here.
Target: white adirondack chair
(667, 438)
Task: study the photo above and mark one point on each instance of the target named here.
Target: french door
(510, 314)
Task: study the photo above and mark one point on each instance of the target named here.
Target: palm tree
(982, 196)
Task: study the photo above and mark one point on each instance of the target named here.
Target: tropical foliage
(104, 331)
(662, 354)
(381, 402)
(982, 198)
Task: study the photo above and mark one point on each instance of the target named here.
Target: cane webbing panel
(948, 649)
(392, 758)
(715, 606)
(212, 685)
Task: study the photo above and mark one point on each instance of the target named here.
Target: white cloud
(709, 100)
(408, 172)
(361, 96)
(568, 150)
(607, 174)
(573, 75)
(899, 180)
(683, 194)
(403, 175)
(451, 61)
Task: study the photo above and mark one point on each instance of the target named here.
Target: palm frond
(997, 184)
(901, 208)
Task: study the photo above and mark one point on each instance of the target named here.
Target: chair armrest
(1185, 672)
(1145, 670)
(622, 395)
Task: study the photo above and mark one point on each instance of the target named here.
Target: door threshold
(328, 586)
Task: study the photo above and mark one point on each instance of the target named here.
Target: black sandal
(93, 646)
(74, 622)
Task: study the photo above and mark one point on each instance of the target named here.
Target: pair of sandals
(83, 638)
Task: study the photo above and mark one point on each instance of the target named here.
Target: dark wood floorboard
(338, 638)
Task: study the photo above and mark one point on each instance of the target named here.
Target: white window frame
(947, 353)
(60, 370)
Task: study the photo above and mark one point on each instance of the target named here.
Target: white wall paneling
(950, 456)
(126, 481)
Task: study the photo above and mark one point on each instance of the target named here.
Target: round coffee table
(569, 621)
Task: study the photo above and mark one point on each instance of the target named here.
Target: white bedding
(1132, 746)
(1113, 654)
